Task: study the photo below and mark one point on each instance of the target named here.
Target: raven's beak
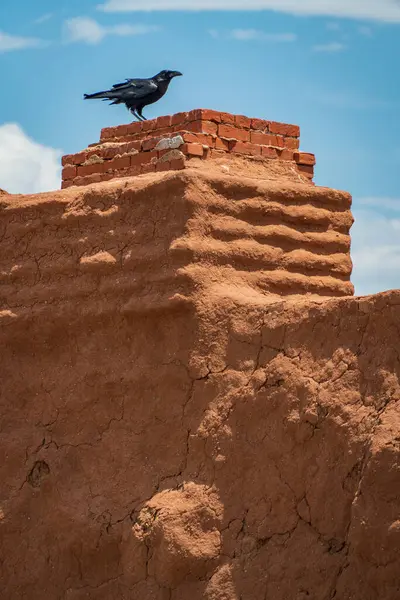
(176, 74)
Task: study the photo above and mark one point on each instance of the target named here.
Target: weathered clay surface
(172, 429)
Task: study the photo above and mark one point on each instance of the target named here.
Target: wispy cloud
(348, 100)
(9, 43)
(375, 247)
(331, 47)
(43, 18)
(392, 204)
(250, 35)
(375, 10)
(214, 33)
(365, 30)
(89, 31)
(333, 26)
(245, 35)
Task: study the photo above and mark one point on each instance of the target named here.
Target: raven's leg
(139, 111)
(136, 113)
(133, 111)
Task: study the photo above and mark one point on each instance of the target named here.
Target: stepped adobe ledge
(242, 182)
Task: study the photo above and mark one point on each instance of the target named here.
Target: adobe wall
(192, 404)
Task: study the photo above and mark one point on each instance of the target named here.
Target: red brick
(202, 127)
(150, 143)
(109, 153)
(134, 128)
(286, 154)
(260, 125)
(198, 138)
(179, 118)
(131, 147)
(142, 158)
(66, 184)
(122, 130)
(226, 131)
(204, 114)
(67, 160)
(113, 132)
(306, 169)
(284, 129)
(246, 148)
(79, 181)
(305, 158)
(107, 133)
(148, 168)
(268, 152)
(78, 159)
(268, 139)
(149, 125)
(161, 153)
(242, 122)
(98, 151)
(264, 139)
(86, 170)
(177, 164)
(163, 122)
(122, 162)
(222, 144)
(193, 149)
(69, 172)
(227, 118)
(95, 178)
(280, 141)
(163, 166)
(292, 143)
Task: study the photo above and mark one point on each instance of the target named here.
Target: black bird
(137, 93)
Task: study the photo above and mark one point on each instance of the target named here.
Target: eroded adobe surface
(187, 416)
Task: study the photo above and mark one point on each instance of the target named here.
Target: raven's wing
(137, 88)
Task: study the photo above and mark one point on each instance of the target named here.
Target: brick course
(201, 134)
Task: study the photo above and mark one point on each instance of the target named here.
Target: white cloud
(347, 99)
(376, 10)
(89, 31)
(376, 246)
(43, 18)
(392, 204)
(245, 35)
(9, 42)
(333, 26)
(26, 166)
(331, 47)
(81, 29)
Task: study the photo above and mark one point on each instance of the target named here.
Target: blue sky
(330, 66)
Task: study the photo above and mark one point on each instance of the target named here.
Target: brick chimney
(172, 142)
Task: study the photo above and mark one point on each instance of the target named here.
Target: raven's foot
(133, 111)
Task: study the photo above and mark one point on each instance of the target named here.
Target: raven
(137, 93)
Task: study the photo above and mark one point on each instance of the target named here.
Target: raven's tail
(98, 95)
